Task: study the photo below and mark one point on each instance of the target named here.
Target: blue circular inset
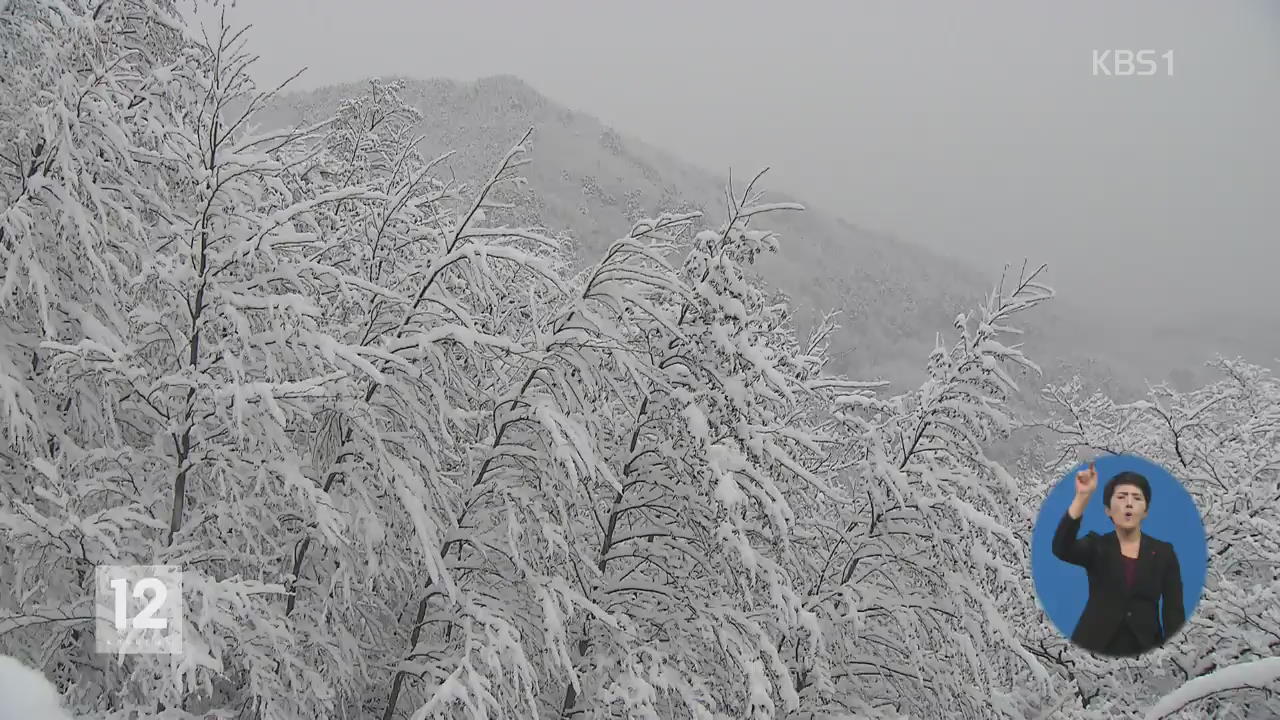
(1063, 588)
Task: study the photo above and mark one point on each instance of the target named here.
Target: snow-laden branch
(1261, 674)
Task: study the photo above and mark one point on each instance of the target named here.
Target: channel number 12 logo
(138, 609)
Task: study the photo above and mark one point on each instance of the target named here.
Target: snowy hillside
(415, 460)
(592, 183)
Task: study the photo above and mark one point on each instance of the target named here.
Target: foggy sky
(973, 128)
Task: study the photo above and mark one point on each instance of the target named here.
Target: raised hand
(1087, 481)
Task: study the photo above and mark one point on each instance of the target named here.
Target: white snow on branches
(416, 460)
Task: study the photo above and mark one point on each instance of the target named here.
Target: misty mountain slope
(587, 180)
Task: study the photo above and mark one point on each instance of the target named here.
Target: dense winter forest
(415, 460)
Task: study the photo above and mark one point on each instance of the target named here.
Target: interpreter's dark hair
(1126, 478)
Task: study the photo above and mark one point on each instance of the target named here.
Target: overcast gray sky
(975, 128)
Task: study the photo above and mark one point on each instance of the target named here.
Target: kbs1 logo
(1127, 63)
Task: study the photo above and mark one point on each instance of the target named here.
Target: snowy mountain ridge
(592, 182)
(588, 180)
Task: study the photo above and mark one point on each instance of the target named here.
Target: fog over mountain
(300, 423)
(592, 182)
(977, 130)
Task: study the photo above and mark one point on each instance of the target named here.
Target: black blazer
(1110, 601)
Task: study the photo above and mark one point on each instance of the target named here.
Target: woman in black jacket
(1130, 573)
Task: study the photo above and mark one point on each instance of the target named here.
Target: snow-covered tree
(913, 570)
(416, 462)
(362, 417)
(180, 341)
(688, 553)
